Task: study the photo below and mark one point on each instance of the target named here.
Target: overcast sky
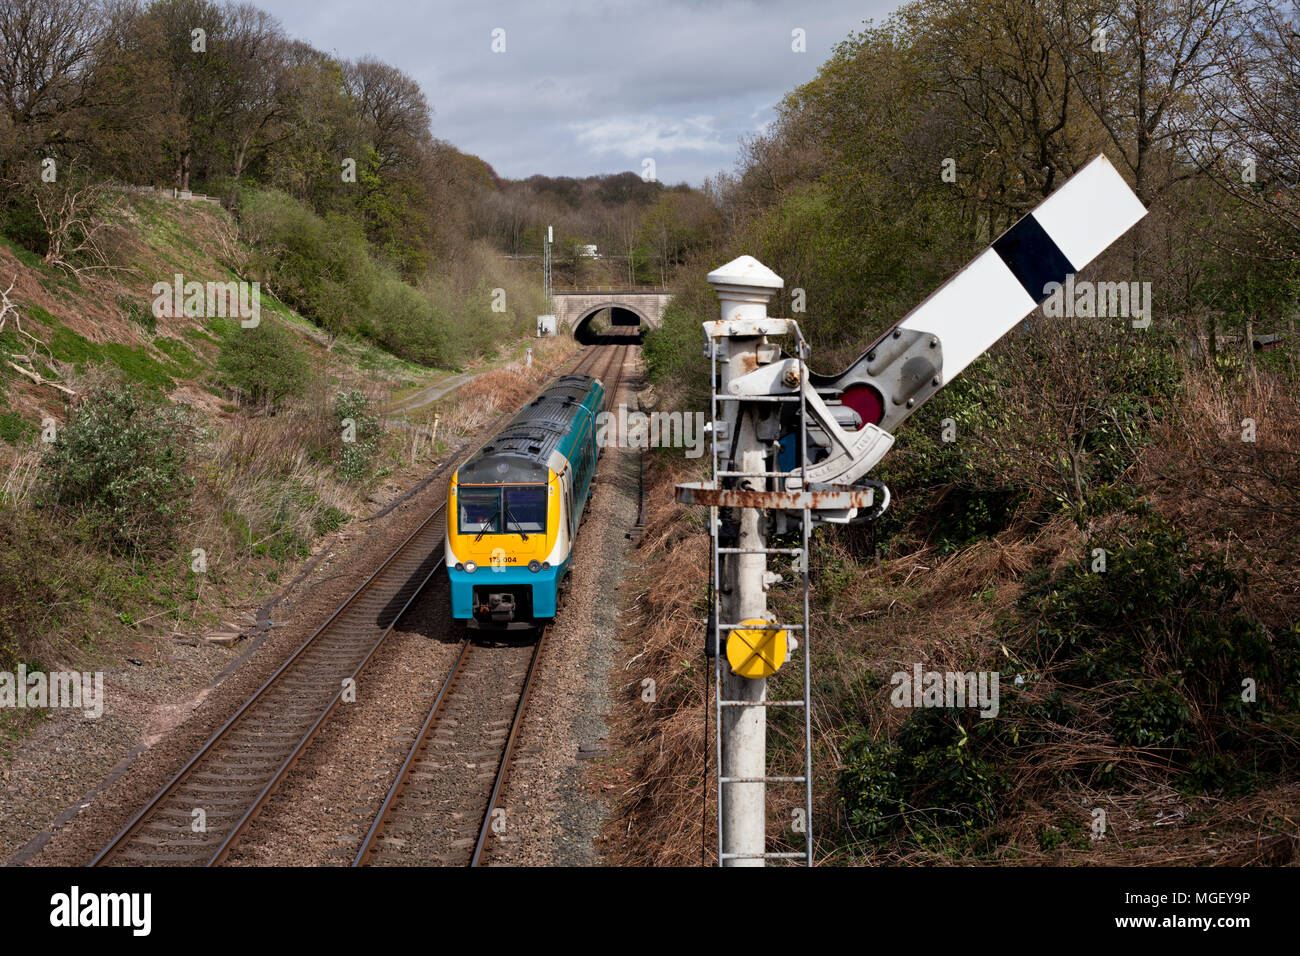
(592, 87)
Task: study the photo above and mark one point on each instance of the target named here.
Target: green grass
(135, 362)
(371, 358)
(29, 259)
(138, 365)
(14, 428)
(183, 362)
(68, 346)
(198, 335)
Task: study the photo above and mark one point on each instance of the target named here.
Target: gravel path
(427, 396)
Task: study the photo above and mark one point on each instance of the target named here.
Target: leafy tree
(264, 364)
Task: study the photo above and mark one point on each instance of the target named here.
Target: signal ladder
(719, 627)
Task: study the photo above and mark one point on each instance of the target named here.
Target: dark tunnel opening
(612, 325)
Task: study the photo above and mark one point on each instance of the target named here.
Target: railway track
(460, 761)
(199, 815)
(444, 804)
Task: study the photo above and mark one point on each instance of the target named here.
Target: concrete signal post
(744, 288)
(905, 366)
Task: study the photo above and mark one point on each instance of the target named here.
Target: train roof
(522, 450)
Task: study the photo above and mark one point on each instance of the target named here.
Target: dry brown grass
(949, 612)
(660, 819)
(483, 398)
(1241, 497)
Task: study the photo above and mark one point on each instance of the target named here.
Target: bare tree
(394, 108)
(1135, 62)
(1004, 105)
(1251, 112)
(46, 47)
(259, 80)
(76, 215)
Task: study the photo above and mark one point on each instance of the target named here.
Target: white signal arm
(957, 323)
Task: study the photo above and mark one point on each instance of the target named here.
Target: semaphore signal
(792, 449)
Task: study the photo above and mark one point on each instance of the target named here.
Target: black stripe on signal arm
(1033, 258)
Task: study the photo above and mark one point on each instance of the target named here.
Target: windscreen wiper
(488, 524)
(509, 518)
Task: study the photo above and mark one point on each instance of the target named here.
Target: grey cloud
(583, 87)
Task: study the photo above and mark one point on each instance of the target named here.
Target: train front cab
(503, 560)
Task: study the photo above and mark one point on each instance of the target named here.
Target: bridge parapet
(572, 309)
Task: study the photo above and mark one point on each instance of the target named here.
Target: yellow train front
(514, 507)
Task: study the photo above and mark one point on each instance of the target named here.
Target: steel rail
(223, 851)
(119, 842)
(368, 845)
(132, 827)
(507, 755)
(613, 360)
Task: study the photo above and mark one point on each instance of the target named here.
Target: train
(514, 506)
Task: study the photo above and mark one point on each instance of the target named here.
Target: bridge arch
(574, 310)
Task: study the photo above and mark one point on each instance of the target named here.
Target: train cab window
(525, 508)
(480, 509)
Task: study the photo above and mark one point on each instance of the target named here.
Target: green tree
(121, 464)
(263, 364)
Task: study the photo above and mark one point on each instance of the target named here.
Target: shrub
(356, 459)
(407, 324)
(120, 462)
(36, 582)
(1160, 645)
(264, 364)
(331, 519)
(936, 778)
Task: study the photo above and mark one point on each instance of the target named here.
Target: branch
(39, 380)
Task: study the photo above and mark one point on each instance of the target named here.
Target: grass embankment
(197, 461)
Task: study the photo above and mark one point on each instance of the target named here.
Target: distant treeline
(330, 167)
(925, 136)
(648, 228)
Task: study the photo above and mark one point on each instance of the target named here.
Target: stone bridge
(575, 310)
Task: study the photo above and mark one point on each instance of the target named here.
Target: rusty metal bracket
(834, 504)
(905, 367)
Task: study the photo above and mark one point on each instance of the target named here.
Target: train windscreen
(480, 509)
(526, 508)
(502, 509)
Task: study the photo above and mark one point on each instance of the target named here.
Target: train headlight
(546, 565)
(534, 566)
(471, 567)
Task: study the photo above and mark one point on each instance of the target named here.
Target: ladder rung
(760, 551)
(774, 855)
(751, 627)
(762, 780)
(762, 703)
(718, 396)
(756, 474)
